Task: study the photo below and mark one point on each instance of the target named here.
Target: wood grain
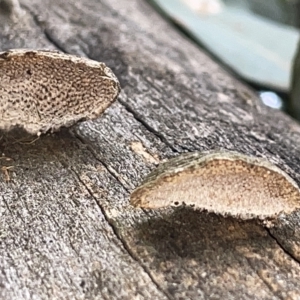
(67, 229)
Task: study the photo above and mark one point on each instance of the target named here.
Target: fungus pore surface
(226, 183)
(44, 90)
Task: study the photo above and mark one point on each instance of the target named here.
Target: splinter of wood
(43, 90)
(226, 183)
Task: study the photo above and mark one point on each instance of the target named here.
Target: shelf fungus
(226, 183)
(43, 90)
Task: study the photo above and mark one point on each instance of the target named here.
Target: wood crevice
(148, 127)
(118, 236)
(284, 249)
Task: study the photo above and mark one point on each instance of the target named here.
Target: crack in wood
(286, 251)
(148, 127)
(44, 30)
(118, 235)
(109, 170)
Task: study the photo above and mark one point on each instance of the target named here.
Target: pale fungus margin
(223, 182)
(44, 90)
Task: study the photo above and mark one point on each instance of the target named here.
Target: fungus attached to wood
(44, 90)
(226, 183)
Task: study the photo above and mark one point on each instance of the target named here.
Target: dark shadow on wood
(17, 147)
(199, 235)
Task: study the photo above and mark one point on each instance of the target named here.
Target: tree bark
(67, 230)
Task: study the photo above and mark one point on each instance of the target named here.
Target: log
(67, 230)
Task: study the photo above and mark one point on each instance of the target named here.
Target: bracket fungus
(226, 183)
(42, 90)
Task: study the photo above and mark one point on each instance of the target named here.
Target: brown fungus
(43, 90)
(226, 183)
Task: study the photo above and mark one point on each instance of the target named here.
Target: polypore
(226, 183)
(44, 90)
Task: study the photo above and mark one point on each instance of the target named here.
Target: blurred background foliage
(257, 40)
(281, 11)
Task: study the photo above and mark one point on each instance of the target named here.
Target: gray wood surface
(67, 230)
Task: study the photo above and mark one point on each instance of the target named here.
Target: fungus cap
(42, 90)
(226, 183)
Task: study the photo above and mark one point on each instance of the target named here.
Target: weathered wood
(66, 227)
